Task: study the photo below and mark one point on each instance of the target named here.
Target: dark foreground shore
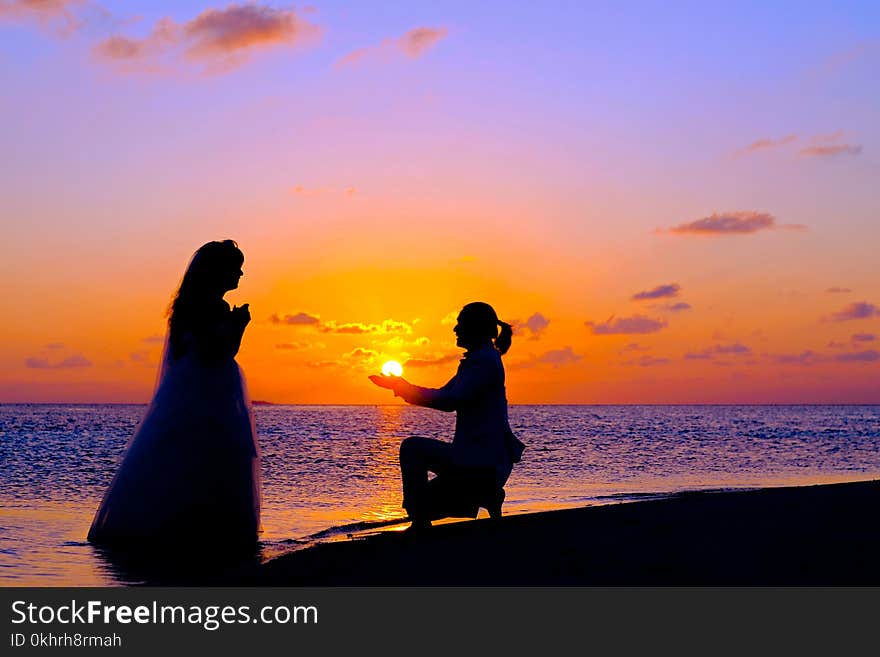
(811, 535)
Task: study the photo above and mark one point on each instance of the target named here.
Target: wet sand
(810, 535)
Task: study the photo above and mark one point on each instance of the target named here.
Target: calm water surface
(334, 466)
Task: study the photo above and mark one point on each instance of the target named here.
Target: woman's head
(478, 324)
(214, 268)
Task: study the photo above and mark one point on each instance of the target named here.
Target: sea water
(330, 470)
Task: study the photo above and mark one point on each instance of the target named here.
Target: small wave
(636, 496)
(355, 527)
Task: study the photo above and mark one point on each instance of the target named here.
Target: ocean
(330, 471)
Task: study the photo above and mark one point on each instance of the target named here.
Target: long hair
(208, 266)
(483, 323)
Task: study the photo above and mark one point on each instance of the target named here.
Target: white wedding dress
(192, 468)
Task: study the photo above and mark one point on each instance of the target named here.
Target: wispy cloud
(844, 58)
(418, 41)
(323, 364)
(293, 346)
(449, 318)
(361, 355)
(431, 361)
(636, 324)
(143, 357)
(827, 137)
(804, 358)
(864, 337)
(71, 362)
(554, 358)
(299, 319)
(647, 361)
(821, 145)
(857, 310)
(829, 145)
(831, 150)
(660, 292)
(534, 326)
(557, 357)
(868, 356)
(768, 144)
(838, 290)
(64, 17)
(221, 38)
(735, 349)
(678, 307)
(387, 327)
(357, 328)
(413, 43)
(731, 223)
(400, 341)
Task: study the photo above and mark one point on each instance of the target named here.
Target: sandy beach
(811, 535)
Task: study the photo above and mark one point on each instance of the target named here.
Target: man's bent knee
(409, 447)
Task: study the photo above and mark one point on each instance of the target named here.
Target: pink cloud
(62, 15)
(554, 357)
(826, 138)
(869, 356)
(557, 357)
(659, 292)
(709, 353)
(163, 35)
(414, 44)
(805, 358)
(219, 36)
(831, 150)
(732, 223)
(767, 144)
(418, 41)
(636, 324)
(829, 145)
(534, 325)
(71, 362)
(857, 310)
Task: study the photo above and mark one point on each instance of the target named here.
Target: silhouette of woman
(483, 449)
(192, 468)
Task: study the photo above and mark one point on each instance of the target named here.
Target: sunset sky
(673, 204)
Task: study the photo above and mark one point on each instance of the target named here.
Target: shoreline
(818, 535)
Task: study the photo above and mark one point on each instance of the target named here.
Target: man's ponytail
(505, 337)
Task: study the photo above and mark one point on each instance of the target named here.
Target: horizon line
(264, 403)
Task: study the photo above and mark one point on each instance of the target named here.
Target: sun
(392, 368)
